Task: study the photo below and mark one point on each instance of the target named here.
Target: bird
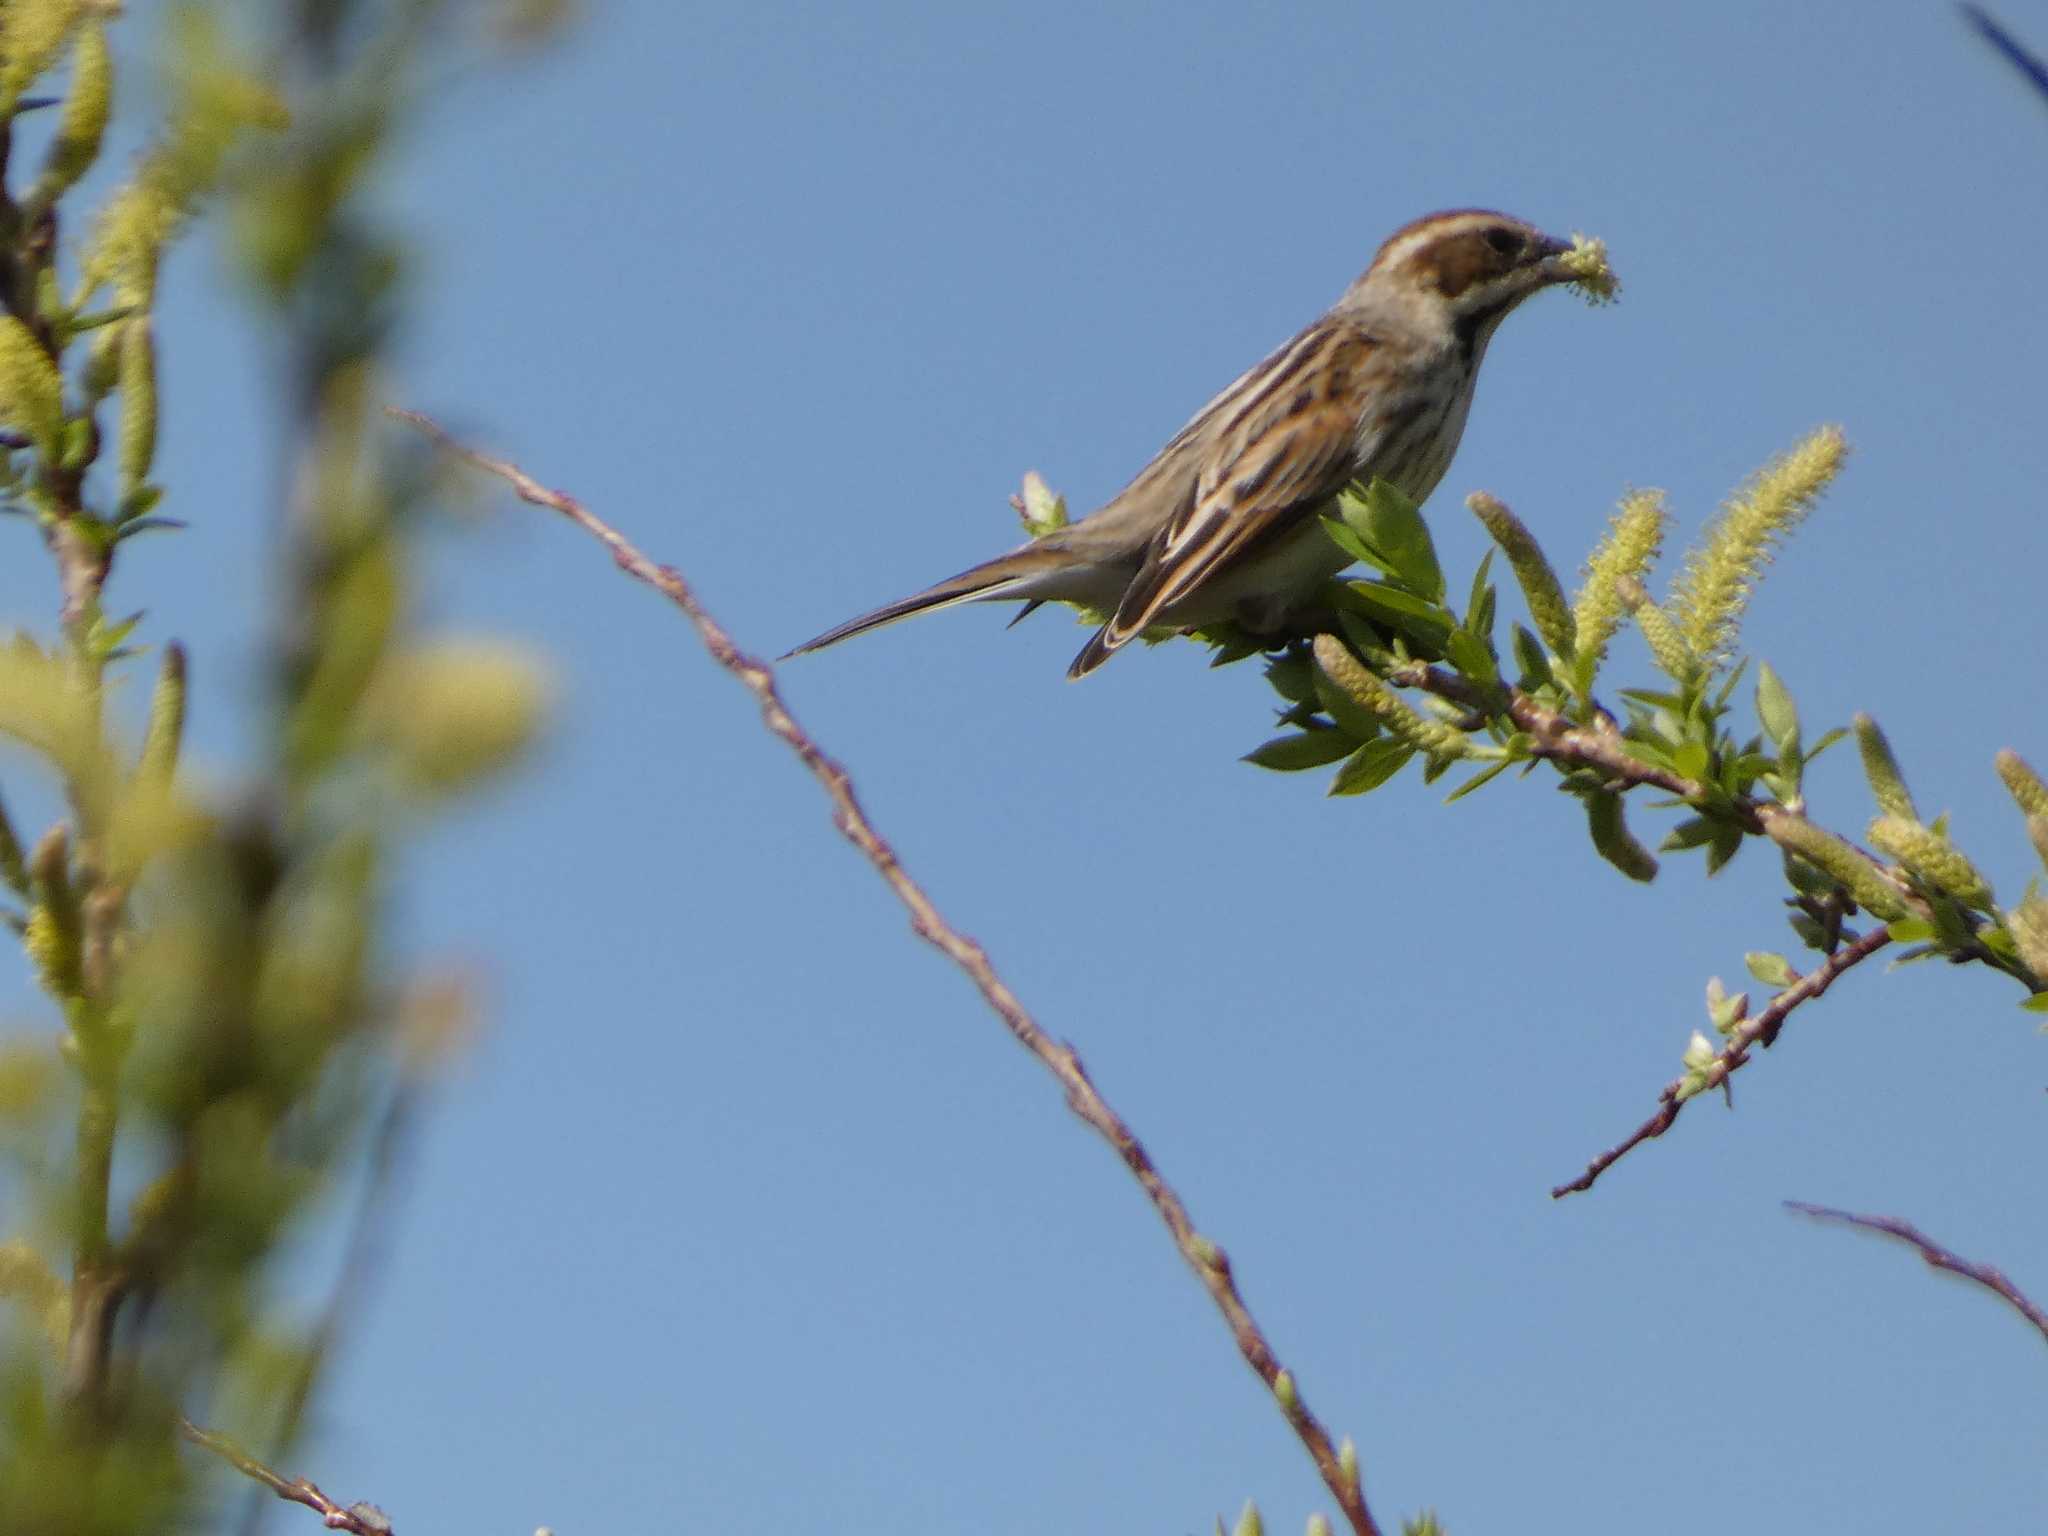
(1225, 522)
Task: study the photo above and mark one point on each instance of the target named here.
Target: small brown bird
(1225, 523)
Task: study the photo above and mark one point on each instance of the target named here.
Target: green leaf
(1533, 661)
(1308, 749)
(1775, 709)
(1396, 539)
(1726, 844)
(2038, 1003)
(1664, 701)
(1807, 878)
(1370, 641)
(1727, 689)
(1341, 535)
(1371, 766)
(1481, 599)
(1484, 776)
(1772, 970)
(1811, 934)
(1693, 832)
(1645, 750)
(1293, 678)
(1232, 644)
(1423, 620)
(1471, 656)
(1826, 741)
(1692, 759)
(147, 525)
(1910, 930)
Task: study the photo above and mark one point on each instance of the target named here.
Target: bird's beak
(1548, 255)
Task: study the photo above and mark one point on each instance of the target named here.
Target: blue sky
(744, 1215)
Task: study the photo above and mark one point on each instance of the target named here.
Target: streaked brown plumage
(1225, 522)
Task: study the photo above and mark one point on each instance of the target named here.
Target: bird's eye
(1504, 242)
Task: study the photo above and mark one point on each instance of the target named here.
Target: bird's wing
(1283, 443)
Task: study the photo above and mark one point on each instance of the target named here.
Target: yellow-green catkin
(1040, 508)
(1591, 275)
(1634, 538)
(1673, 655)
(83, 124)
(1881, 768)
(1933, 857)
(1720, 575)
(27, 1279)
(32, 34)
(2028, 925)
(1856, 874)
(138, 403)
(158, 764)
(2026, 787)
(55, 935)
(1541, 589)
(1613, 840)
(1371, 693)
(31, 392)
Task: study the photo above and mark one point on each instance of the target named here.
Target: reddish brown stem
(1937, 1257)
(1208, 1261)
(1761, 1030)
(359, 1519)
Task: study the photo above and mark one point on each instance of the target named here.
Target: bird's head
(1463, 270)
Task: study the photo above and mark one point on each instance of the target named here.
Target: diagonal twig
(2016, 54)
(357, 1519)
(1761, 1030)
(1937, 1257)
(1210, 1264)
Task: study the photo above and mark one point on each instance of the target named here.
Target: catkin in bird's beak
(1583, 264)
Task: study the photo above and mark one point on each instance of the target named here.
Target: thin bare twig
(1937, 1257)
(1601, 747)
(1210, 1264)
(359, 1519)
(1761, 1030)
(2016, 53)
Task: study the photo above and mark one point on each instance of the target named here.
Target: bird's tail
(1016, 575)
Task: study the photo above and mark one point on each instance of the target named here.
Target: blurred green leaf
(1307, 749)
(1371, 766)
(1532, 660)
(1471, 656)
(1483, 777)
(1425, 621)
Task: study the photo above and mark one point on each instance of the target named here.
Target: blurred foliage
(232, 1049)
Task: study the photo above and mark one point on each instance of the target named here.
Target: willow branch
(1210, 1264)
(1759, 1031)
(1599, 746)
(359, 1519)
(1937, 1257)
